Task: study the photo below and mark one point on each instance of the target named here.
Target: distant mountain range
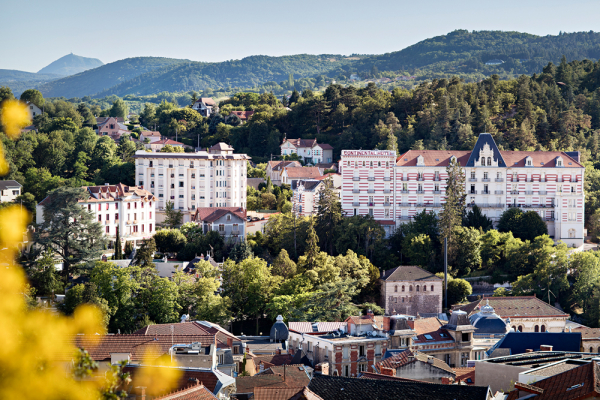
(460, 53)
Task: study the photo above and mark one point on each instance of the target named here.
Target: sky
(34, 33)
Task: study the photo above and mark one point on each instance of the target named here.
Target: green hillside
(106, 76)
(70, 64)
(245, 73)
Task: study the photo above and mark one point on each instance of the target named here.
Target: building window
(543, 329)
(150, 228)
(424, 288)
(361, 351)
(490, 161)
(99, 218)
(396, 289)
(472, 174)
(520, 329)
(432, 288)
(346, 370)
(116, 216)
(89, 207)
(410, 288)
(108, 229)
(362, 367)
(221, 228)
(536, 329)
(403, 288)
(417, 288)
(108, 217)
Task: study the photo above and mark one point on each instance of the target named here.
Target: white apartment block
(129, 209)
(393, 190)
(216, 178)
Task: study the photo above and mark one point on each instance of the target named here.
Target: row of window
(192, 165)
(410, 288)
(108, 230)
(128, 216)
(107, 206)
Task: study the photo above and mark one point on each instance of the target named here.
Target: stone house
(230, 222)
(411, 290)
(274, 169)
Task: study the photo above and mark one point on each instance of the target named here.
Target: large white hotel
(213, 178)
(393, 189)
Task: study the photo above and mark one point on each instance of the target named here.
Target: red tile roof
(139, 346)
(278, 165)
(189, 328)
(211, 214)
(433, 158)
(548, 158)
(195, 392)
(302, 142)
(295, 377)
(150, 133)
(588, 333)
(325, 146)
(577, 383)
(168, 141)
(515, 307)
(111, 193)
(243, 115)
(407, 357)
(464, 374)
(303, 172)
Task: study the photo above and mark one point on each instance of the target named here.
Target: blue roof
(518, 342)
(482, 140)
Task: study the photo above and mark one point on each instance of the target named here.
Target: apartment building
(129, 209)
(394, 189)
(213, 178)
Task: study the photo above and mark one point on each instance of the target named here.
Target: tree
(454, 208)
(167, 148)
(173, 217)
(467, 250)
(70, 230)
(144, 256)
(419, 249)
(283, 266)
(477, 220)
(329, 215)
(118, 247)
(241, 250)
(43, 275)
(119, 109)
(34, 96)
(312, 246)
(169, 240)
(331, 302)
(526, 226)
(458, 289)
(128, 248)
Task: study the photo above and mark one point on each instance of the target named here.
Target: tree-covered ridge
(245, 73)
(98, 79)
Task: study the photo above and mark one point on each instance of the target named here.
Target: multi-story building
(216, 178)
(308, 150)
(230, 222)
(411, 290)
(128, 209)
(306, 195)
(393, 190)
(274, 169)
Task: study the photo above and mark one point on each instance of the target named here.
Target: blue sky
(35, 33)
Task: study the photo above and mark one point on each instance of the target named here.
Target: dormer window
(489, 161)
(559, 161)
(452, 159)
(420, 160)
(529, 161)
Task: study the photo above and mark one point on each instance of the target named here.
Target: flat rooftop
(539, 358)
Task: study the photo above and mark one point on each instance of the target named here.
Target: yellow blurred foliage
(159, 377)
(35, 343)
(14, 117)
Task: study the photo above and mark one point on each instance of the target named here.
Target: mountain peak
(70, 64)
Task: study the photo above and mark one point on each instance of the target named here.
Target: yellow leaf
(14, 117)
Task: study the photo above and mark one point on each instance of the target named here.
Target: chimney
(545, 347)
(278, 351)
(430, 360)
(528, 351)
(370, 313)
(142, 393)
(446, 380)
(387, 371)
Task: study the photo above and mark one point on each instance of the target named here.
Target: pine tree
(329, 215)
(118, 248)
(128, 248)
(312, 246)
(454, 208)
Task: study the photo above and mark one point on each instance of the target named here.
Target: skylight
(428, 337)
(443, 335)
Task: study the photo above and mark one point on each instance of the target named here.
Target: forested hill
(464, 52)
(460, 53)
(99, 79)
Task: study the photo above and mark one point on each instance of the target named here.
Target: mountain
(101, 78)
(70, 65)
(462, 53)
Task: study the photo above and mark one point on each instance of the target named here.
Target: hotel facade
(393, 189)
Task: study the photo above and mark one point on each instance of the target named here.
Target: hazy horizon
(234, 30)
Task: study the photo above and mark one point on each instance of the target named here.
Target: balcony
(421, 191)
(420, 179)
(371, 204)
(404, 191)
(405, 217)
(356, 178)
(542, 192)
(371, 178)
(387, 191)
(514, 192)
(485, 180)
(356, 204)
(355, 190)
(486, 192)
(437, 191)
(152, 175)
(235, 232)
(472, 179)
(387, 178)
(472, 192)
(528, 192)
(371, 191)
(547, 219)
(170, 165)
(499, 179)
(499, 192)
(487, 205)
(436, 178)
(386, 204)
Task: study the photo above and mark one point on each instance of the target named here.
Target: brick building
(394, 189)
(410, 290)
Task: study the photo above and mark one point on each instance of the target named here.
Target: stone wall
(412, 302)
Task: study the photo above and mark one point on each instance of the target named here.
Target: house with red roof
(291, 175)
(274, 169)
(394, 188)
(244, 116)
(157, 145)
(152, 136)
(308, 150)
(111, 126)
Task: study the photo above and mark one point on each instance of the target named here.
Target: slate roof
(211, 214)
(518, 342)
(275, 393)
(9, 185)
(341, 388)
(408, 273)
(302, 142)
(408, 357)
(548, 158)
(137, 345)
(372, 375)
(514, 307)
(195, 392)
(278, 165)
(482, 140)
(577, 383)
(303, 172)
(207, 101)
(310, 185)
(271, 360)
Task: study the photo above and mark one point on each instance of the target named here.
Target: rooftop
(9, 185)
(519, 342)
(302, 172)
(408, 273)
(539, 358)
(211, 214)
(514, 307)
(316, 327)
(407, 357)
